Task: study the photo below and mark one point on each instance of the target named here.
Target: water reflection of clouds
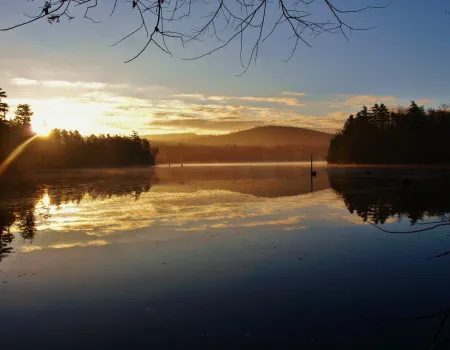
(200, 211)
(177, 208)
(95, 243)
(79, 244)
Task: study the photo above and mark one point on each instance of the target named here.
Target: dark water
(231, 257)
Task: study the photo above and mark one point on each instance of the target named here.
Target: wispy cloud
(198, 96)
(23, 82)
(357, 101)
(98, 107)
(425, 102)
(293, 93)
(289, 101)
(71, 85)
(64, 84)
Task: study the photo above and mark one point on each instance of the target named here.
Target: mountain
(260, 144)
(174, 138)
(265, 136)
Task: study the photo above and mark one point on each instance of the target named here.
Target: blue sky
(73, 79)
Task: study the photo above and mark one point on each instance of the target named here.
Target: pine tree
(2, 94)
(23, 115)
(4, 108)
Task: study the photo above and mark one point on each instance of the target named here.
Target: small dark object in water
(368, 172)
(313, 173)
(406, 181)
(181, 164)
(169, 164)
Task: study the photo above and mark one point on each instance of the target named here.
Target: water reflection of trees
(19, 202)
(382, 195)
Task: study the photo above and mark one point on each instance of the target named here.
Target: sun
(42, 129)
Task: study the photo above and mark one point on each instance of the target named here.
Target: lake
(226, 257)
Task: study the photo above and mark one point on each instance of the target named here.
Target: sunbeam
(19, 149)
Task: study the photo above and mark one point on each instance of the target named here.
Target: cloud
(425, 102)
(289, 101)
(293, 93)
(199, 96)
(23, 82)
(62, 84)
(357, 101)
(286, 100)
(97, 107)
(168, 115)
(227, 123)
(70, 84)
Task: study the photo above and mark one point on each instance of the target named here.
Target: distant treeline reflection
(19, 200)
(382, 194)
(378, 135)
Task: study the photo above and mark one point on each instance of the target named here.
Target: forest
(378, 135)
(186, 153)
(64, 149)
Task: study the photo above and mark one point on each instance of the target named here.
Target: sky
(73, 79)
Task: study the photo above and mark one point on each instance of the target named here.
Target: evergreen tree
(4, 107)
(404, 136)
(23, 115)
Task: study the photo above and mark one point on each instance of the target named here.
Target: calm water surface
(226, 257)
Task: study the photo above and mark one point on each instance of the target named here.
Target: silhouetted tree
(69, 149)
(4, 108)
(404, 136)
(23, 115)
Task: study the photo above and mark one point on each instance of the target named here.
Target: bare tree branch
(247, 21)
(445, 223)
(439, 255)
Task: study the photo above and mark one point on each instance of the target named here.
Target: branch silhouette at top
(250, 22)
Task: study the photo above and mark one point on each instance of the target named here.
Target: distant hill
(175, 138)
(266, 136)
(260, 144)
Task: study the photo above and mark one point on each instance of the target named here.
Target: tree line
(378, 135)
(186, 153)
(66, 149)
